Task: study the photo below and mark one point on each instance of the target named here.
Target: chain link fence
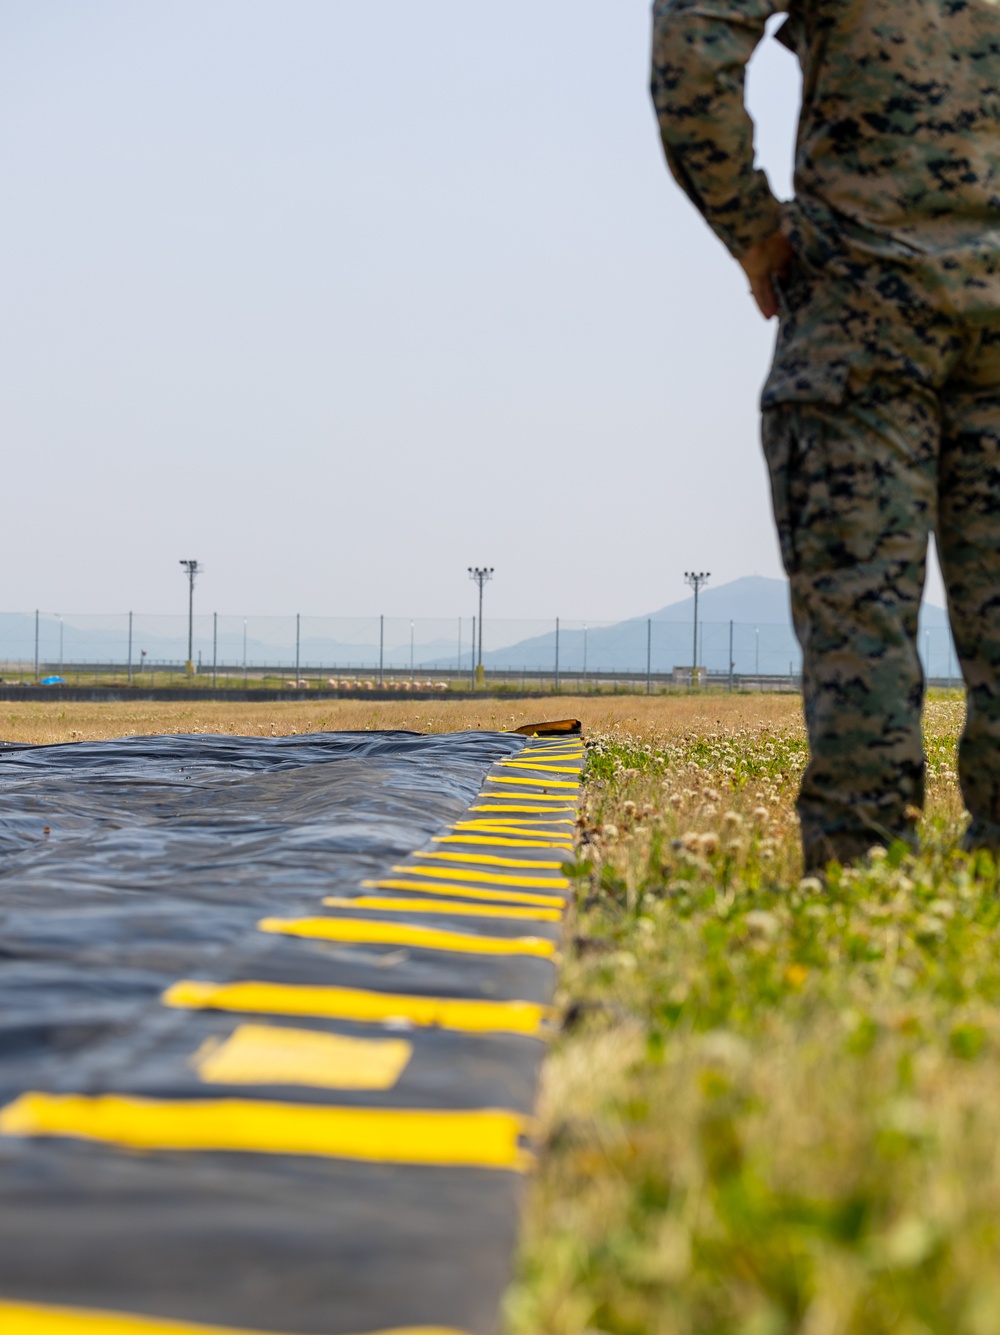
(325, 650)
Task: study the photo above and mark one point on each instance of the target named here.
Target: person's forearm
(700, 52)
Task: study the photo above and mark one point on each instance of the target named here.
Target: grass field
(61, 721)
(773, 1107)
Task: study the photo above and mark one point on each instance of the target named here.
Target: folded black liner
(129, 865)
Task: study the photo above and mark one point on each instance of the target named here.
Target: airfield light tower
(696, 578)
(482, 575)
(193, 569)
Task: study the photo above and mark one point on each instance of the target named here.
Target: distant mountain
(752, 599)
(756, 599)
(762, 637)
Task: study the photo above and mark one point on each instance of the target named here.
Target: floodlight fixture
(696, 578)
(193, 569)
(482, 575)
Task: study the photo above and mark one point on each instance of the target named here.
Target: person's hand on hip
(767, 260)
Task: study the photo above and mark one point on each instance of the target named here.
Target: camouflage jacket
(898, 150)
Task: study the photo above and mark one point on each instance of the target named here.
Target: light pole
(696, 578)
(756, 653)
(482, 575)
(411, 651)
(193, 570)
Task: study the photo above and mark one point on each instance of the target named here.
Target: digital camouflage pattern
(882, 407)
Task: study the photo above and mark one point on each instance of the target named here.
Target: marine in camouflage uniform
(881, 413)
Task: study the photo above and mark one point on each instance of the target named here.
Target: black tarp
(126, 866)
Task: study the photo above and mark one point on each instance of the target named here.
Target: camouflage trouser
(905, 440)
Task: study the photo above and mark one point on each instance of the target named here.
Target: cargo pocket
(840, 493)
(812, 357)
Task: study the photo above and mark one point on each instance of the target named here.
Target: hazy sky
(341, 298)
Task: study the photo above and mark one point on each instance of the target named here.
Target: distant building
(683, 675)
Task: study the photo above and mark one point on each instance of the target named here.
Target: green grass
(775, 1106)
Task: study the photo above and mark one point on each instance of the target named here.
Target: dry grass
(60, 721)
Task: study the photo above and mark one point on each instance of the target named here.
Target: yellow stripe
(479, 840)
(564, 798)
(556, 752)
(541, 753)
(34, 1319)
(349, 1003)
(359, 932)
(535, 764)
(386, 905)
(546, 755)
(488, 860)
(545, 811)
(534, 783)
(513, 826)
(484, 1139)
(467, 892)
(264, 1054)
(490, 877)
(534, 826)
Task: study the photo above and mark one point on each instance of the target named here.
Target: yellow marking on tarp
(479, 840)
(260, 1054)
(513, 826)
(17, 1318)
(351, 1003)
(535, 783)
(535, 764)
(481, 823)
(490, 877)
(361, 932)
(553, 748)
(564, 798)
(485, 1138)
(488, 860)
(516, 826)
(386, 905)
(490, 806)
(468, 892)
(526, 756)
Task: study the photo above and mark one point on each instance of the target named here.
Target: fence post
(730, 658)
(649, 655)
(36, 646)
(215, 646)
(130, 648)
(557, 654)
(381, 649)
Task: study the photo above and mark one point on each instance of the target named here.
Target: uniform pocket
(844, 490)
(812, 355)
(824, 488)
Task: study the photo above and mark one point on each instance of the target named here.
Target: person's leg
(854, 489)
(969, 545)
